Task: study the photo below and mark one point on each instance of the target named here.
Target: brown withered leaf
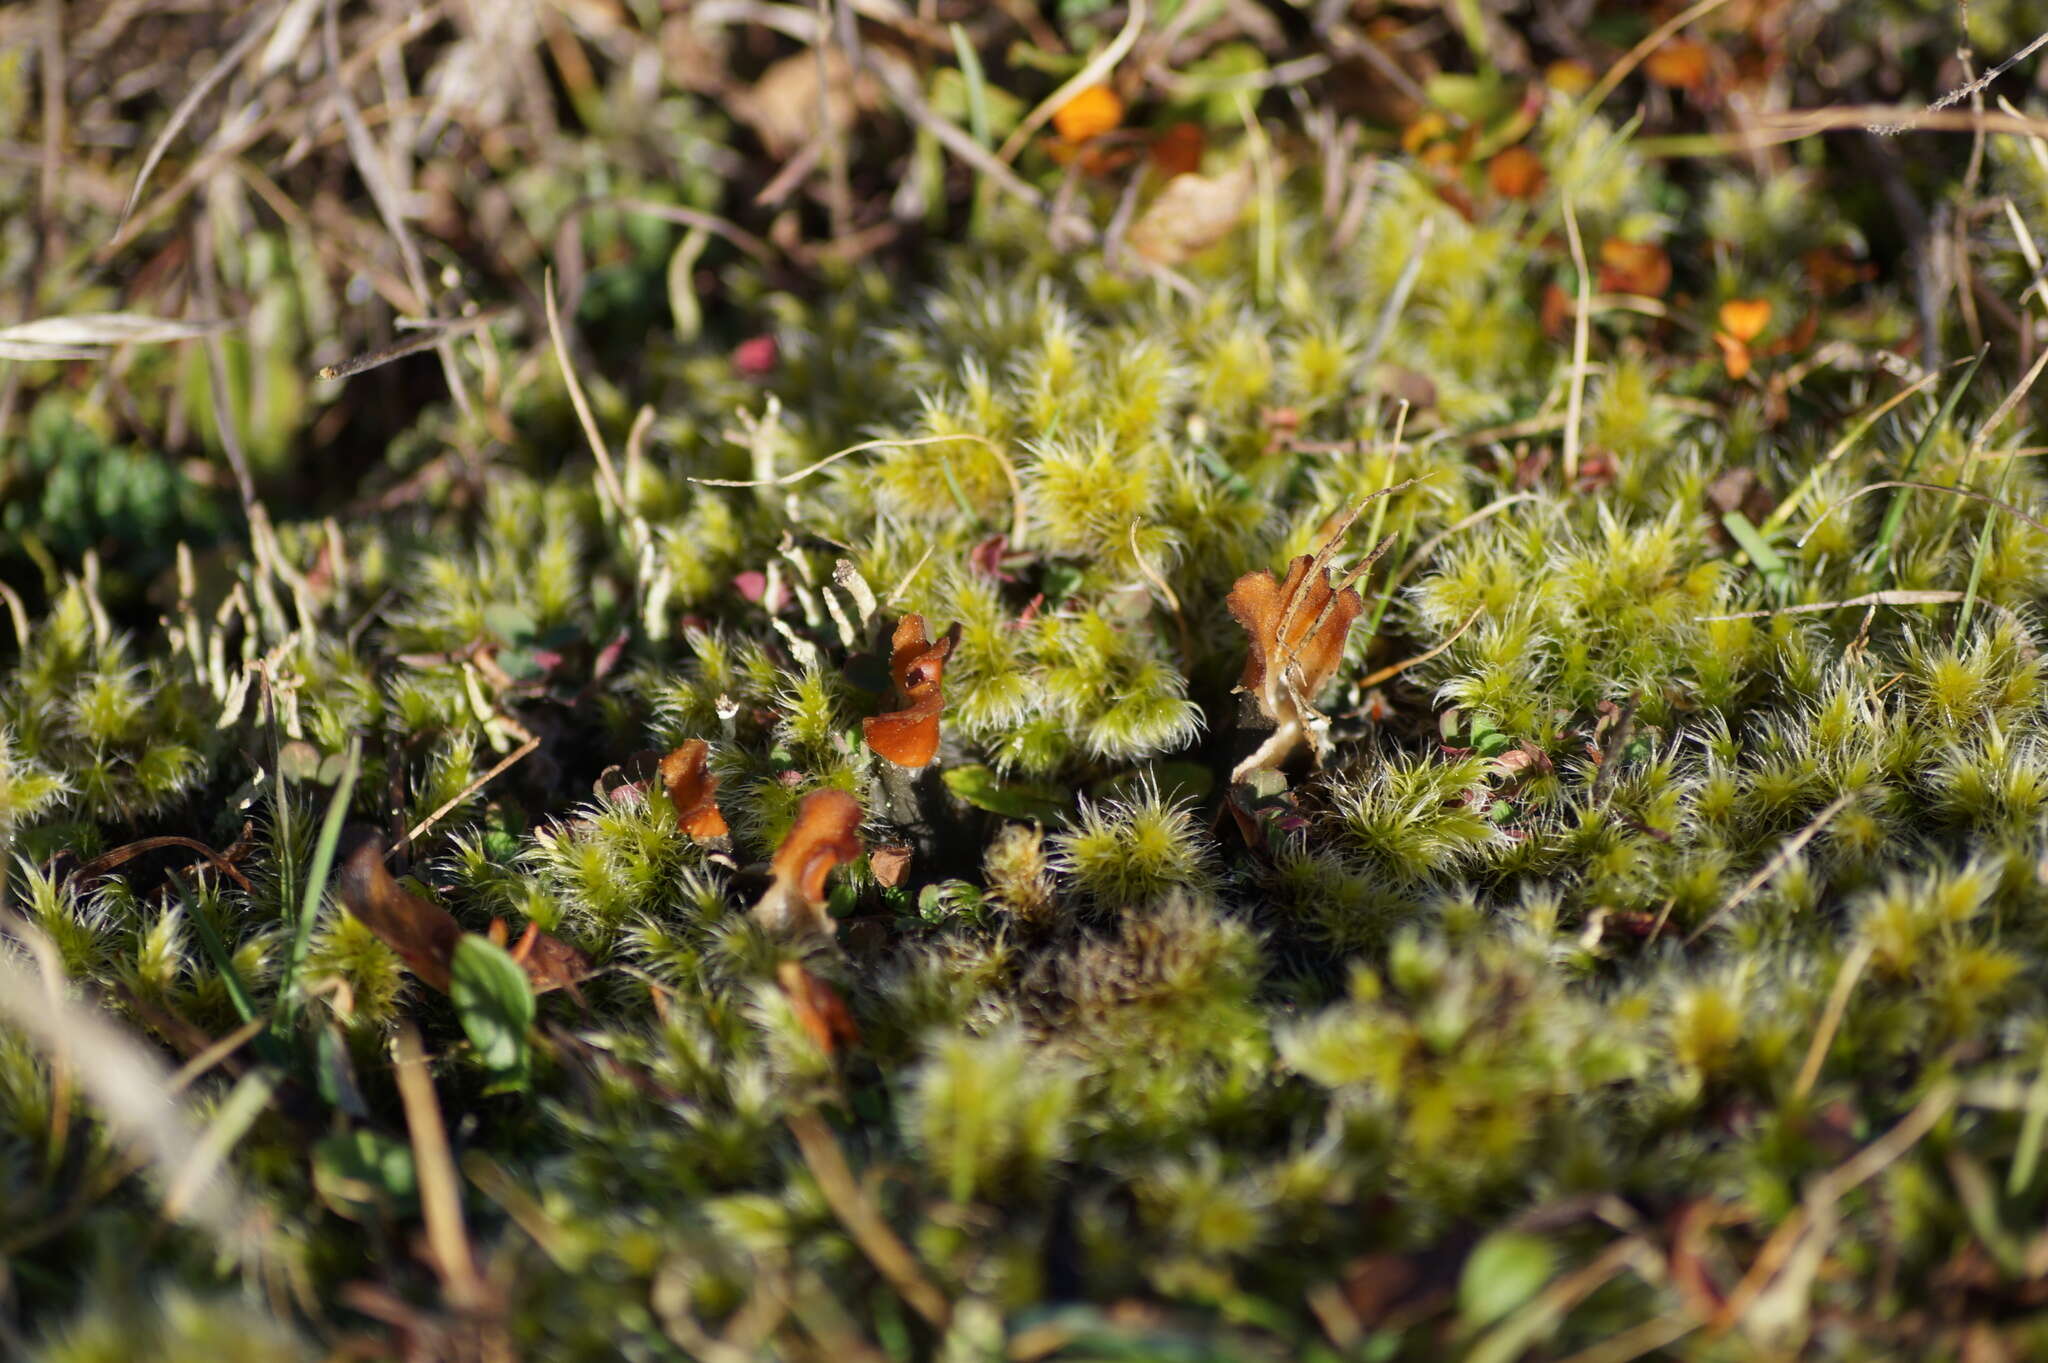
(1638, 267)
(909, 736)
(782, 107)
(819, 1009)
(891, 865)
(826, 835)
(1297, 630)
(1191, 214)
(550, 962)
(686, 774)
(424, 935)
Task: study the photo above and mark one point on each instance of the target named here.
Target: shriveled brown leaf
(424, 935)
(782, 106)
(550, 962)
(909, 736)
(891, 865)
(826, 835)
(1296, 630)
(818, 1007)
(1191, 214)
(1637, 267)
(686, 775)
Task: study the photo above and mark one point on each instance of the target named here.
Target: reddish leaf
(1178, 150)
(687, 776)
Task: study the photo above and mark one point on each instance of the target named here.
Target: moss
(1674, 849)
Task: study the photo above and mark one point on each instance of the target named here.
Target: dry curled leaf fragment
(686, 774)
(550, 962)
(1191, 214)
(1681, 63)
(782, 107)
(1090, 113)
(819, 1009)
(423, 934)
(1516, 173)
(826, 835)
(1297, 629)
(1637, 267)
(1735, 356)
(909, 735)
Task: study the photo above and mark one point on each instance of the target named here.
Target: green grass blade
(316, 881)
(1896, 512)
(1774, 568)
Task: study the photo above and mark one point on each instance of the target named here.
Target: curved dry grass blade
(129, 1085)
(1913, 486)
(83, 335)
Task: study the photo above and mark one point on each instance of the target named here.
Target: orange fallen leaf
(909, 735)
(819, 1009)
(1637, 267)
(1516, 173)
(1297, 630)
(1090, 113)
(1745, 318)
(686, 774)
(1681, 63)
(1735, 357)
(1191, 214)
(826, 835)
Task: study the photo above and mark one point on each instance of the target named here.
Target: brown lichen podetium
(686, 775)
(826, 835)
(909, 736)
(1297, 630)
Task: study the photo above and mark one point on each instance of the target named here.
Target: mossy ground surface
(1653, 962)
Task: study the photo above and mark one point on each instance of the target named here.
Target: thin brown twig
(890, 1256)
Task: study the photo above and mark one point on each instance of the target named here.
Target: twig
(1581, 339)
(891, 1258)
(1653, 40)
(440, 1190)
(1831, 1016)
(504, 765)
(1394, 670)
(1777, 863)
(1898, 597)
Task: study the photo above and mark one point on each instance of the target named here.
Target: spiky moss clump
(1643, 902)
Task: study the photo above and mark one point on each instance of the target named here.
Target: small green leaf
(360, 1174)
(495, 1004)
(1505, 1270)
(982, 788)
(1189, 782)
